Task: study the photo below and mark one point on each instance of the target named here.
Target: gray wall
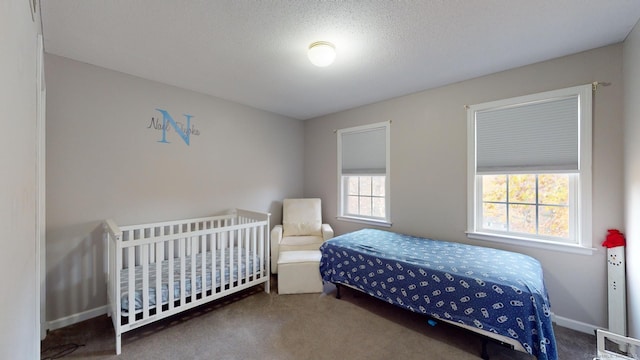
(104, 162)
(429, 158)
(19, 315)
(631, 71)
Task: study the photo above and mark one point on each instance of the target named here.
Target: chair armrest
(276, 237)
(327, 232)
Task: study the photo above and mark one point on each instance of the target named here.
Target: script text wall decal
(183, 130)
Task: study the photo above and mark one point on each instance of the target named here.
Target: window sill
(382, 223)
(539, 244)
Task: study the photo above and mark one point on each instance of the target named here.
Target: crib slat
(194, 273)
(170, 274)
(131, 285)
(182, 255)
(239, 257)
(158, 262)
(144, 259)
(254, 252)
(247, 266)
(203, 263)
(214, 265)
(261, 250)
(223, 261)
(232, 239)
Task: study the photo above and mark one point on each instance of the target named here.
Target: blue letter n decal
(167, 118)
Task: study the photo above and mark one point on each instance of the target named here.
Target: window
(529, 168)
(528, 204)
(363, 174)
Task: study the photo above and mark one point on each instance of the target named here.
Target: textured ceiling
(254, 52)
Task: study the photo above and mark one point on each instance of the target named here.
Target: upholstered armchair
(301, 229)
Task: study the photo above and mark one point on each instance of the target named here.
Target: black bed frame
(484, 354)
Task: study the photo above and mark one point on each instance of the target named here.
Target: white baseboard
(575, 325)
(76, 318)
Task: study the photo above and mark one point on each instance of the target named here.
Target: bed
(160, 269)
(498, 294)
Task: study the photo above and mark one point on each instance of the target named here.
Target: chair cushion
(305, 256)
(301, 217)
(291, 243)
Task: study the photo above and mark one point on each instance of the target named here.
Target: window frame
(580, 212)
(342, 195)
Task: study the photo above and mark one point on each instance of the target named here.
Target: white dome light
(322, 53)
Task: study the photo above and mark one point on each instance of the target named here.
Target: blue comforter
(492, 290)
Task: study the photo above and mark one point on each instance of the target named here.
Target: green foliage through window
(527, 203)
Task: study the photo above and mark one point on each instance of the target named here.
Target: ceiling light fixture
(322, 53)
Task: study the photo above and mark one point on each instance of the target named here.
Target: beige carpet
(257, 325)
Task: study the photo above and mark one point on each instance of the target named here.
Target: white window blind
(529, 137)
(365, 151)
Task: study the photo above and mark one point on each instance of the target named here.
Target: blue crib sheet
(208, 284)
(493, 290)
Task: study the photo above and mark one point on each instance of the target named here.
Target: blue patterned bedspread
(493, 290)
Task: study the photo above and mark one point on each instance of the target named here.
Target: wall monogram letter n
(183, 130)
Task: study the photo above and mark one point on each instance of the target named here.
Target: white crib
(160, 269)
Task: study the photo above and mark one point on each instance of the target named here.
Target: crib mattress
(483, 288)
(177, 288)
